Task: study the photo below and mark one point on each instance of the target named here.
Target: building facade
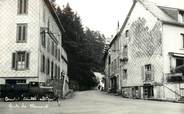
(151, 52)
(64, 72)
(31, 42)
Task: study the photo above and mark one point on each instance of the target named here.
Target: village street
(93, 102)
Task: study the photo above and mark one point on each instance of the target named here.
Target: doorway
(148, 91)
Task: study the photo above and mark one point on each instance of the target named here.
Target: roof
(166, 15)
(54, 14)
(126, 19)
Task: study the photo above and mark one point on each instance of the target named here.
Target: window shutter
(20, 6)
(24, 32)
(152, 72)
(18, 33)
(25, 6)
(14, 61)
(27, 60)
(143, 73)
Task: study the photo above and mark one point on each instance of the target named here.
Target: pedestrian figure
(58, 100)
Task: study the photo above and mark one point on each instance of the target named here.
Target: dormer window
(181, 16)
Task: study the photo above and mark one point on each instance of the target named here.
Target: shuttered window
(149, 72)
(125, 74)
(52, 70)
(43, 37)
(55, 71)
(22, 6)
(59, 54)
(48, 45)
(52, 50)
(48, 67)
(59, 73)
(43, 64)
(14, 61)
(27, 60)
(20, 60)
(182, 35)
(21, 33)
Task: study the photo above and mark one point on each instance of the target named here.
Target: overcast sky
(103, 15)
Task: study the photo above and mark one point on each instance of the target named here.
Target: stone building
(150, 59)
(31, 42)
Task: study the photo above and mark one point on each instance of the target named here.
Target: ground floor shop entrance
(113, 84)
(148, 91)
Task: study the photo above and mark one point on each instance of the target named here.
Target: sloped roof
(172, 12)
(162, 13)
(54, 14)
(165, 14)
(156, 11)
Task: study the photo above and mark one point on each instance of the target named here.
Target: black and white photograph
(91, 56)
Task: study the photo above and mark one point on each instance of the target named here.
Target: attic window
(181, 16)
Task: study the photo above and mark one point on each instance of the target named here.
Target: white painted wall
(46, 17)
(134, 64)
(35, 20)
(8, 25)
(172, 42)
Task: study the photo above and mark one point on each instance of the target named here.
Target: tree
(84, 49)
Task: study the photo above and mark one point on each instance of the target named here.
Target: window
(127, 33)
(179, 61)
(20, 60)
(21, 33)
(48, 67)
(52, 70)
(43, 64)
(58, 54)
(56, 71)
(48, 45)
(43, 38)
(59, 72)
(182, 35)
(13, 81)
(125, 50)
(181, 16)
(22, 6)
(148, 72)
(52, 51)
(124, 73)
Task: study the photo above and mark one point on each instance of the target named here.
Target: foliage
(84, 49)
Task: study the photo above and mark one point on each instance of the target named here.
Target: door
(148, 91)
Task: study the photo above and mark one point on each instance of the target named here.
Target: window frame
(127, 33)
(181, 16)
(22, 33)
(43, 37)
(15, 60)
(182, 35)
(43, 61)
(125, 74)
(22, 8)
(148, 72)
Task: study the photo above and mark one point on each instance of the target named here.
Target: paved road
(93, 102)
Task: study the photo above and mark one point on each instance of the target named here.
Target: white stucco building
(30, 42)
(151, 52)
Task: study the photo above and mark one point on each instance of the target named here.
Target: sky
(104, 15)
